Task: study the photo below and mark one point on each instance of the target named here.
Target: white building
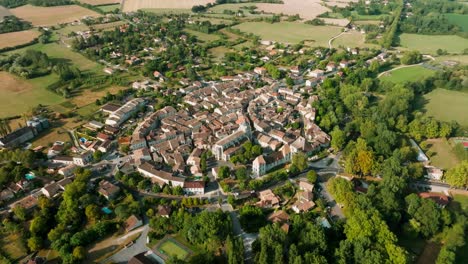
(124, 112)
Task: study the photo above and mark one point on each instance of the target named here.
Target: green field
(202, 36)
(446, 105)
(170, 248)
(459, 20)
(109, 8)
(291, 32)
(430, 43)
(61, 53)
(19, 96)
(407, 74)
(352, 40)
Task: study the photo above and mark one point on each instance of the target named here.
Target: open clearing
(440, 153)
(462, 59)
(13, 39)
(134, 5)
(352, 39)
(446, 105)
(411, 73)
(459, 20)
(430, 43)
(99, 2)
(290, 32)
(4, 12)
(18, 95)
(48, 16)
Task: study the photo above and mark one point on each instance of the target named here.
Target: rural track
(333, 38)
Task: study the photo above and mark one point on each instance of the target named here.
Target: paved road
(124, 255)
(335, 210)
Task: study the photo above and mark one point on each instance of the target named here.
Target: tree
(79, 253)
(20, 212)
(312, 176)
(341, 189)
(224, 172)
(425, 213)
(300, 161)
(92, 212)
(97, 155)
(35, 243)
(458, 175)
(411, 57)
(338, 138)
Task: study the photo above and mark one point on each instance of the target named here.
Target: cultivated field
(340, 3)
(306, 9)
(4, 12)
(99, 2)
(430, 43)
(411, 73)
(48, 16)
(447, 105)
(459, 20)
(134, 5)
(352, 39)
(290, 32)
(336, 21)
(19, 96)
(17, 38)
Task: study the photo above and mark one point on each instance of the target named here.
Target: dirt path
(331, 40)
(397, 68)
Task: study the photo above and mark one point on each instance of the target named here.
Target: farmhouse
(108, 189)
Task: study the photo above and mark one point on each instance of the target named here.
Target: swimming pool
(29, 176)
(106, 210)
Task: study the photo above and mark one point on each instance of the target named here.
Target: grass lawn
(202, 36)
(352, 39)
(459, 20)
(440, 153)
(446, 105)
(109, 8)
(291, 32)
(430, 43)
(233, 7)
(214, 21)
(407, 74)
(19, 95)
(170, 248)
